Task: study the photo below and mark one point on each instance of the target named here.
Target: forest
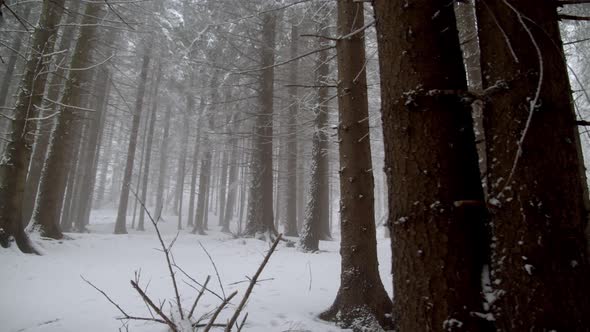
(294, 165)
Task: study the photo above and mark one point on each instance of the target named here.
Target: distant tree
(362, 301)
(540, 267)
(120, 224)
(438, 243)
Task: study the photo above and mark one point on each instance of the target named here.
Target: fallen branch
(252, 283)
(221, 306)
(157, 309)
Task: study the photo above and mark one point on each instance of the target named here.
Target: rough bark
(316, 225)
(16, 157)
(44, 128)
(540, 267)
(59, 160)
(260, 206)
(120, 224)
(431, 166)
(362, 302)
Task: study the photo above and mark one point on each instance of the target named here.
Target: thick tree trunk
(59, 159)
(260, 207)
(540, 267)
(44, 128)
(15, 160)
(316, 225)
(120, 225)
(362, 301)
(438, 246)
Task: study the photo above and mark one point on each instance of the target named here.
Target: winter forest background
(294, 165)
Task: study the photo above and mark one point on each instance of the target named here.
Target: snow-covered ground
(47, 293)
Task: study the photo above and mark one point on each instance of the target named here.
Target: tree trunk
(15, 160)
(163, 164)
(149, 143)
(120, 225)
(438, 244)
(291, 191)
(540, 267)
(203, 183)
(44, 128)
(260, 207)
(59, 159)
(362, 301)
(316, 224)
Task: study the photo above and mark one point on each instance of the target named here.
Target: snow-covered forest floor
(47, 293)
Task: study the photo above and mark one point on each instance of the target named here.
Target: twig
(190, 314)
(252, 283)
(154, 306)
(166, 253)
(215, 268)
(243, 322)
(196, 282)
(221, 306)
(249, 280)
(125, 315)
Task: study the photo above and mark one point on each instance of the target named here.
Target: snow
(47, 293)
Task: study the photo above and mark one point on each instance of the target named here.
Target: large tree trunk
(316, 225)
(44, 128)
(540, 267)
(361, 301)
(120, 225)
(15, 160)
(260, 207)
(59, 159)
(431, 165)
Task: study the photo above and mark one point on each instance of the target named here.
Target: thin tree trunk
(163, 164)
(120, 225)
(148, 155)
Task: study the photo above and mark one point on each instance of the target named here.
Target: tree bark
(120, 224)
(149, 143)
(438, 244)
(291, 191)
(59, 159)
(260, 207)
(163, 163)
(362, 301)
(44, 128)
(540, 267)
(316, 225)
(16, 157)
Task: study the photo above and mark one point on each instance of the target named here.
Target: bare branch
(252, 283)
